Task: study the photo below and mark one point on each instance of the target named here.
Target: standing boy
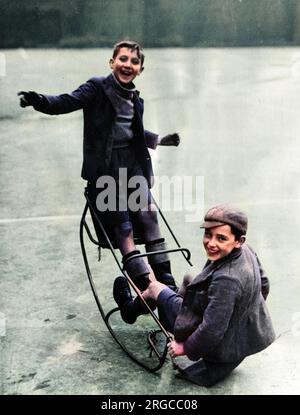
(115, 141)
(222, 316)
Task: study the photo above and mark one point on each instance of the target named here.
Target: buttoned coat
(224, 317)
(95, 97)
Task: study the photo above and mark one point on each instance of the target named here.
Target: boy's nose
(211, 243)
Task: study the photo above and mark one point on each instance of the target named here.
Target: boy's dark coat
(95, 98)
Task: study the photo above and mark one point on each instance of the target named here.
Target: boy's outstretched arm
(60, 104)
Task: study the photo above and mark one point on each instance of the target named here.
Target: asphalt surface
(236, 111)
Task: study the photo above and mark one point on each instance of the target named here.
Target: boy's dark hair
(132, 45)
(236, 232)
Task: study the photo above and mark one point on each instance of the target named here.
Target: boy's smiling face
(219, 241)
(126, 65)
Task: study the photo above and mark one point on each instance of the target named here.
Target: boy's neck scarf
(126, 91)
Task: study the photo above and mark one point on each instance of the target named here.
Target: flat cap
(225, 215)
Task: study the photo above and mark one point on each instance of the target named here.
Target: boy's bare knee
(152, 208)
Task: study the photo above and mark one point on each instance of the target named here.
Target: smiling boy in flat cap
(221, 316)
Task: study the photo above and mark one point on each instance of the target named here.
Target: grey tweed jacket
(224, 317)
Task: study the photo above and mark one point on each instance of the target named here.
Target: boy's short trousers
(121, 158)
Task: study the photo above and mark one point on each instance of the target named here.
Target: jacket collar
(111, 82)
(109, 85)
(211, 266)
(126, 92)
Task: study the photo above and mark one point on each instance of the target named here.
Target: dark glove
(170, 140)
(30, 98)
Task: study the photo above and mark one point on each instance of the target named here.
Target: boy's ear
(242, 240)
(111, 62)
(140, 71)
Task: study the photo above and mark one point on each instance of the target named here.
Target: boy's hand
(29, 98)
(170, 140)
(175, 349)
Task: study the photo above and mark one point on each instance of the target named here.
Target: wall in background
(154, 23)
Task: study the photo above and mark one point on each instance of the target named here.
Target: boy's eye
(135, 61)
(123, 58)
(222, 238)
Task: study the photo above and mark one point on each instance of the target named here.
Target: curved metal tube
(106, 317)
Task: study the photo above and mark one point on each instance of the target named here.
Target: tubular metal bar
(90, 235)
(105, 317)
(103, 231)
(128, 277)
(161, 358)
(185, 252)
(187, 258)
(136, 256)
(152, 342)
(171, 232)
(164, 251)
(169, 338)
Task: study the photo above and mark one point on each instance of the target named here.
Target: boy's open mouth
(212, 251)
(126, 72)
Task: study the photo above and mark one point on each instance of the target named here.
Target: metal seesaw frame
(151, 337)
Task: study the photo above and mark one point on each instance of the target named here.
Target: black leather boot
(122, 296)
(129, 309)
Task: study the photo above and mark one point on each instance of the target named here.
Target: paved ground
(237, 113)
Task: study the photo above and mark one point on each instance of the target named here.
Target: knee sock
(161, 269)
(137, 269)
(160, 263)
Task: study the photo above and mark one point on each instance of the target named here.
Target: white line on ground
(40, 219)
